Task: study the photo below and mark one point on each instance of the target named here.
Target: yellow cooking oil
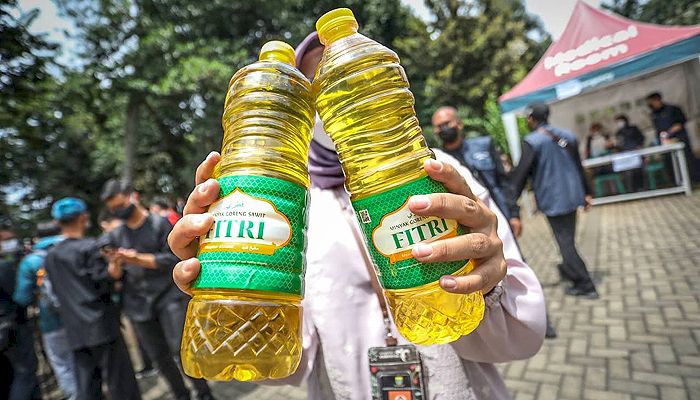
(363, 98)
(244, 319)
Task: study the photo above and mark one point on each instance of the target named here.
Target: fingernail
(448, 283)
(203, 186)
(420, 202)
(186, 266)
(422, 250)
(435, 164)
(210, 155)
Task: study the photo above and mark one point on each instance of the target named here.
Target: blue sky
(554, 15)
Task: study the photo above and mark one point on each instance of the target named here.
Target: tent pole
(510, 122)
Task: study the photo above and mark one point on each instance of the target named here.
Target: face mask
(124, 213)
(320, 135)
(621, 124)
(448, 135)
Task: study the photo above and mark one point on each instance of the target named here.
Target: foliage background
(144, 96)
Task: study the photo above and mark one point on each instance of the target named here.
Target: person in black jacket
(143, 261)
(480, 156)
(669, 122)
(18, 361)
(8, 322)
(82, 285)
(630, 138)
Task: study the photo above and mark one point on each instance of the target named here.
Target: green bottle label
(258, 237)
(391, 230)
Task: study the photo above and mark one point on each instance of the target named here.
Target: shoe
(564, 274)
(146, 373)
(550, 333)
(586, 293)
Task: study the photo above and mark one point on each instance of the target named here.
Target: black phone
(396, 373)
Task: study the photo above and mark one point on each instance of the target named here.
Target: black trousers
(23, 364)
(564, 229)
(161, 338)
(110, 362)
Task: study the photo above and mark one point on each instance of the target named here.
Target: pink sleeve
(514, 323)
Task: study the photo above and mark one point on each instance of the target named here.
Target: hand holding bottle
(481, 245)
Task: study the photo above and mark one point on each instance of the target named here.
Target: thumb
(185, 273)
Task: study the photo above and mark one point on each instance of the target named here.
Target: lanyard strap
(389, 338)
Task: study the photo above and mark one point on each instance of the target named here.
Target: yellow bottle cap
(334, 19)
(278, 51)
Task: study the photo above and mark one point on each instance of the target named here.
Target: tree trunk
(132, 121)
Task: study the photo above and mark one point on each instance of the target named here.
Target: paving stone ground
(639, 341)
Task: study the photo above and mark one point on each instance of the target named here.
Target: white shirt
(342, 317)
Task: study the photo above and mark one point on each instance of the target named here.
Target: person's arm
(515, 319)
(511, 204)
(496, 157)
(162, 258)
(678, 121)
(96, 265)
(518, 177)
(115, 268)
(131, 256)
(579, 167)
(25, 289)
(514, 322)
(638, 137)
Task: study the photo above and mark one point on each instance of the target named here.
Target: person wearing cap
(143, 262)
(550, 158)
(81, 282)
(480, 156)
(34, 287)
(342, 313)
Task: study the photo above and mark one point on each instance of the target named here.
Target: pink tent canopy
(595, 39)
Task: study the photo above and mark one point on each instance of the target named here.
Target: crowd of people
(85, 288)
(668, 121)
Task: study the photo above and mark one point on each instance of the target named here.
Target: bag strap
(389, 338)
(560, 141)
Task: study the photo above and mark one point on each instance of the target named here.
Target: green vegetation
(144, 95)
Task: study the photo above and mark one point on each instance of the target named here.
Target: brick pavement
(638, 341)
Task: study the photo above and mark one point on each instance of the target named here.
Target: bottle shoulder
(352, 52)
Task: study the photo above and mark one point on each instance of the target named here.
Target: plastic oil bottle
(363, 98)
(244, 319)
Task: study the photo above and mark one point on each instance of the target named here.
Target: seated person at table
(598, 143)
(628, 136)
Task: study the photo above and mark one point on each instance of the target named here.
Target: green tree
(50, 127)
(664, 12)
(481, 48)
(167, 64)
